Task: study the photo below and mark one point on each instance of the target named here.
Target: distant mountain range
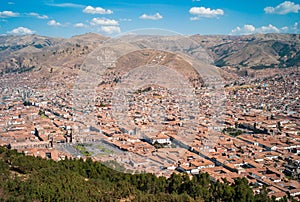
(29, 52)
(32, 52)
(253, 51)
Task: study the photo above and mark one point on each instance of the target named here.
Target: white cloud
(21, 31)
(246, 29)
(96, 10)
(11, 3)
(156, 16)
(7, 14)
(295, 28)
(67, 5)
(108, 26)
(80, 25)
(250, 29)
(283, 8)
(268, 29)
(54, 23)
(110, 29)
(195, 18)
(285, 29)
(125, 19)
(38, 15)
(104, 21)
(203, 12)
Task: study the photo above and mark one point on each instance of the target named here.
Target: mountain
(253, 51)
(34, 52)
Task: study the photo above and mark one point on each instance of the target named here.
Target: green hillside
(26, 178)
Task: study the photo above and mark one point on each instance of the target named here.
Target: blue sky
(72, 17)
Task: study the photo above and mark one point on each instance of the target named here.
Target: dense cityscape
(256, 137)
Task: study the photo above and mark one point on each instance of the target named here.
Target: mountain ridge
(257, 51)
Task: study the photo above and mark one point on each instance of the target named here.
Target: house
(160, 138)
(294, 192)
(188, 169)
(200, 164)
(278, 195)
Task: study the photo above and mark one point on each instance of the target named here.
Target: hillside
(33, 52)
(253, 51)
(26, 178)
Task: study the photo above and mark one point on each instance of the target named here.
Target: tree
(175, 182)
(243, 192)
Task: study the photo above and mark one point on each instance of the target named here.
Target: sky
(66, 18)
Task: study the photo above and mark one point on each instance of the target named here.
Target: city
(256, 136)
